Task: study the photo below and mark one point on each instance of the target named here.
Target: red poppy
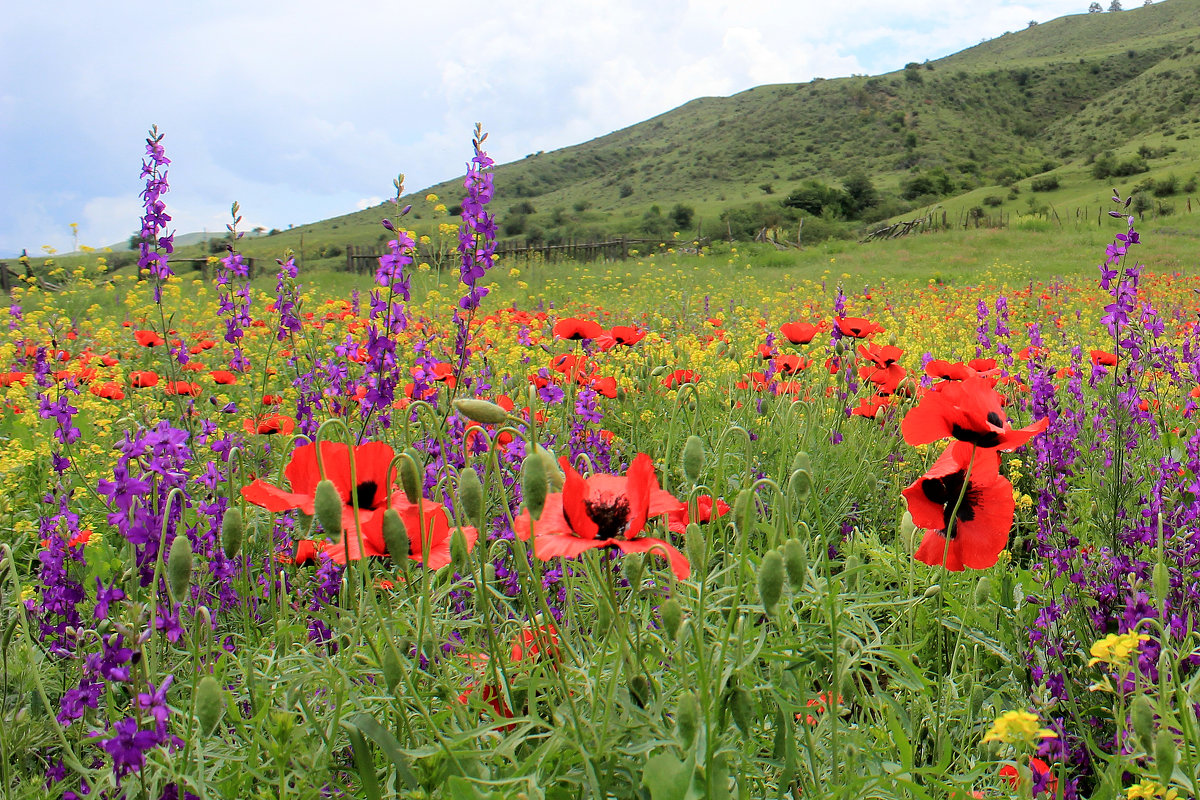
(306, 550)
(870, 406)
(1103, 358)
(801, 332)
(271, 399)
(680, 377)
(970, 411)
(626, 335)
(9, 378)
(1029, 351)
(984, 503)
(606, 387)
(223, 377)
(108, 391)
(143, 379)
(1043, 777)
(791, 364)
(81, 538)
(947, 371)
(428, 526)
(677, 520)
(818, 704)
(109, 361)
(982, 365)
(857, 327)
(886, 379)
(193, 366)
(269, 424)
(185, 388)
(573, 367)
(882, 355)
(603, 511)
(576, 328)
(147, 338)
(756, 380)
(371, 487)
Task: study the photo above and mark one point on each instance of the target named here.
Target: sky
(304, 110)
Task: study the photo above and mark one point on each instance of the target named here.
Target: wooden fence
(366, 259)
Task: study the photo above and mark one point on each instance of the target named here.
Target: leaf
(363, 761)
(366, 724)
(668, 778)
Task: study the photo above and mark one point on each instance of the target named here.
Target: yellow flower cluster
(1149, 790)
(1018, 727)
(1116, 649)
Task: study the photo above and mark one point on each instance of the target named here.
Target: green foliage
(1044, 183)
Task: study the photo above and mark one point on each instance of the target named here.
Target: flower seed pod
(932, 591)
(770, 581)
(210, 705)
(395, 537)
(392, 670)
(795, 561)
(632, 566)
(743, 511)
(741, 707)
(179, 568)
(687, 719)
(328, 505)
(1166, 754)
(851, 572)
(799, 486)
(908, 531)
(672, 618)
(410, 477)
(554, 475)
(533, 484)
(470, 496)
(1141, 712)
(696, 546)
(231, 531)
(983, 591)
(802, 461)
(693, 459)
(478, 410)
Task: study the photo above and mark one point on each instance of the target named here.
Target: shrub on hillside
(1044, 183)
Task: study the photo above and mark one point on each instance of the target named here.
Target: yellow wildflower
(1149, 790)
(1116, 649)
(1018, 727)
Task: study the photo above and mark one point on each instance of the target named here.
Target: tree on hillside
(1115, 5)
(1095, 8)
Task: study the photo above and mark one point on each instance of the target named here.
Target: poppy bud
(770, 581)
(410, 477)
(741, 707)
(802, 461)
(603, 614)
(850, 572)
(1141, 712)
(479, 410)
(639, 688)
(795, 561)
(696, 546)
(672, 618)
(328, 505)
(1162, 583)
(395, 537)
(392, 671)
(932, 591)
(631, 570)
(231, 531)
(687, 719)
(210, 704)
(743, 511)
(799, 486)
(554, 475)
(908, 531)
(1166, 754)
(976, 698)
(983, 591)
(693, 459)
(533, 484)
(489, 572)
(458, 550)
(659, 370)
(179, 568)
(470, 496)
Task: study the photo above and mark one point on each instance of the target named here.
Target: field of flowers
(685, 541)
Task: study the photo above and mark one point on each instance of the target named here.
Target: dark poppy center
(364, 493)
(946, 492)
(980, 438)
(611, 515)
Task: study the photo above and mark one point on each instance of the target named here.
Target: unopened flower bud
(802, 461)
(908, 531)
(395, 537)
(179, 568)
(799, 485)
(1141, 713)
(932, 591)
(983, 591)
(795, 561)
(479, 410)
(387, 223)
(693, 458)
(770, 580)
(392, 669)
(470, 496)
(554, 476)
(687, 719)
(697, 548)
(328, 506)
(1166, 754)
(231, 531)
(672, 617)
(743, 511)
(210, 705)
(741, 708)
(533, 484)
(410, 477)
(458, 550)
(631, 570)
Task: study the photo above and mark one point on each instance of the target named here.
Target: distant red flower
(982, 365)
(108, 391)
(9, 378)
(707, 509)
(801, 332)
(1103, 358)
(428, 526)
(147, 338)
(857, 327)
(185, 388)
(1044, 779)
(143, 379)
(271, 399)
(984, 502)
(603, 511)
(626, 334)
(605, 387)
(269, 424)
(970, 411)
(576, 328)
(791, 364)
(947, 371)
(372, 488)
(223, 377)
(819, 705)
(81, 538)
(870, 406)
(680, 377)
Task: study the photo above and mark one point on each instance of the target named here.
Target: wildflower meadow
(679, 540)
